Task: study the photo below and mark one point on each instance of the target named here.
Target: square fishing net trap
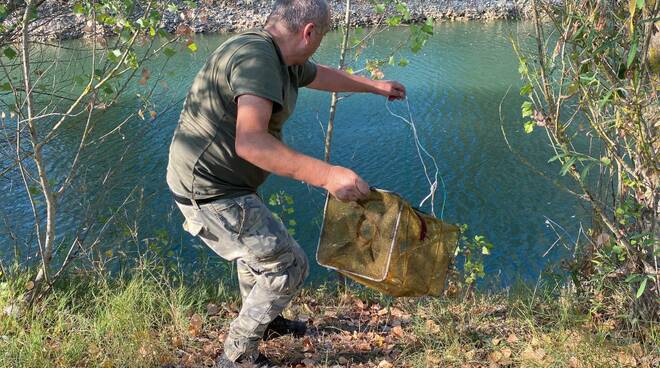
(385, 244)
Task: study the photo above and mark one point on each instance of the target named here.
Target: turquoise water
(455, 87)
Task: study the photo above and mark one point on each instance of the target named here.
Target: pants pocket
(230, 215)
(285, 281)
(263, 235)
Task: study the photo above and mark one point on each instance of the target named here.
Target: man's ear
(307, 31)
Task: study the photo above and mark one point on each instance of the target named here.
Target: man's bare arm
(334, 80)
(256, 145)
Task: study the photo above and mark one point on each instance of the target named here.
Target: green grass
(90, 323)
(144, 321)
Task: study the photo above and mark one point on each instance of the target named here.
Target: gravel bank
(57, 20)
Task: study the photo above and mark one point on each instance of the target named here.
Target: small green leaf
(606, 161)
(641, 289)
(526, 89)
(349, 70)
(108, 89)
(526, 109)
(403, 62)
(428, 27)
(169, 52)
(631, 54)
(485, 251)
(152, 32)
(632, 277)
(529, 127)
(522, 67)
(556, 157)
(379, 8)
(606, 99)
(78, 9)
(640, 4)
(394, 21)
(5, 86)
(9, 53)
(402, 9)
(567, 166)
(292, 223)
(114, 55)
(193, 47)
(391, 60)
(172, 8)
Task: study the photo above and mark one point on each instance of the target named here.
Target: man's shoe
(260, 362)
(281, 326)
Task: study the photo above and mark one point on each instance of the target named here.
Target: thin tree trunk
(49, 198)
(335, 97)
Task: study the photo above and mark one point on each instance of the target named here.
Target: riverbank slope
(147, 321)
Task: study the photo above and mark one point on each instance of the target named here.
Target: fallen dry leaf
(209, 349)
(506, 352)
(363, 346)
(495, 341)
(385, 364)
(308, 346)
(397, 331)
(531, 354)
(505, 361)
(495, 356)
(573, 362)
(431, 326)
(535, 342)
(512, 339)
(196, 324)
(144, 351)
(626, 360)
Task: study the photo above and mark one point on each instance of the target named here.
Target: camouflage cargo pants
(271, 265)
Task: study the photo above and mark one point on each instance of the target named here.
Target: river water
(455, 88)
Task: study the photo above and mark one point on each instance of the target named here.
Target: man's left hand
(391, 89)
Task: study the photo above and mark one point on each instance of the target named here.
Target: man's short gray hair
(297, 13)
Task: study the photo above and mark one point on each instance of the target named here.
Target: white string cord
(433, 181)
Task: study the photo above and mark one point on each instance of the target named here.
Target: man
(226, 143)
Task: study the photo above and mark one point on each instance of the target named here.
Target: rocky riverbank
(57, 20)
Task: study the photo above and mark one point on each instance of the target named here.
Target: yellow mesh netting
(385, 244)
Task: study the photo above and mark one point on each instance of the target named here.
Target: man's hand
(345, 185)
(391, 89)
(333, 80)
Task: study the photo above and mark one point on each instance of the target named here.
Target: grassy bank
(145, 321)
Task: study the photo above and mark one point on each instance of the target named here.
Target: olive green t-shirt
(203, 162)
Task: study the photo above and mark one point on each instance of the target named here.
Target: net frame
(391, 249)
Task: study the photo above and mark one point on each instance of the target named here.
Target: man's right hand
(345, 184)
